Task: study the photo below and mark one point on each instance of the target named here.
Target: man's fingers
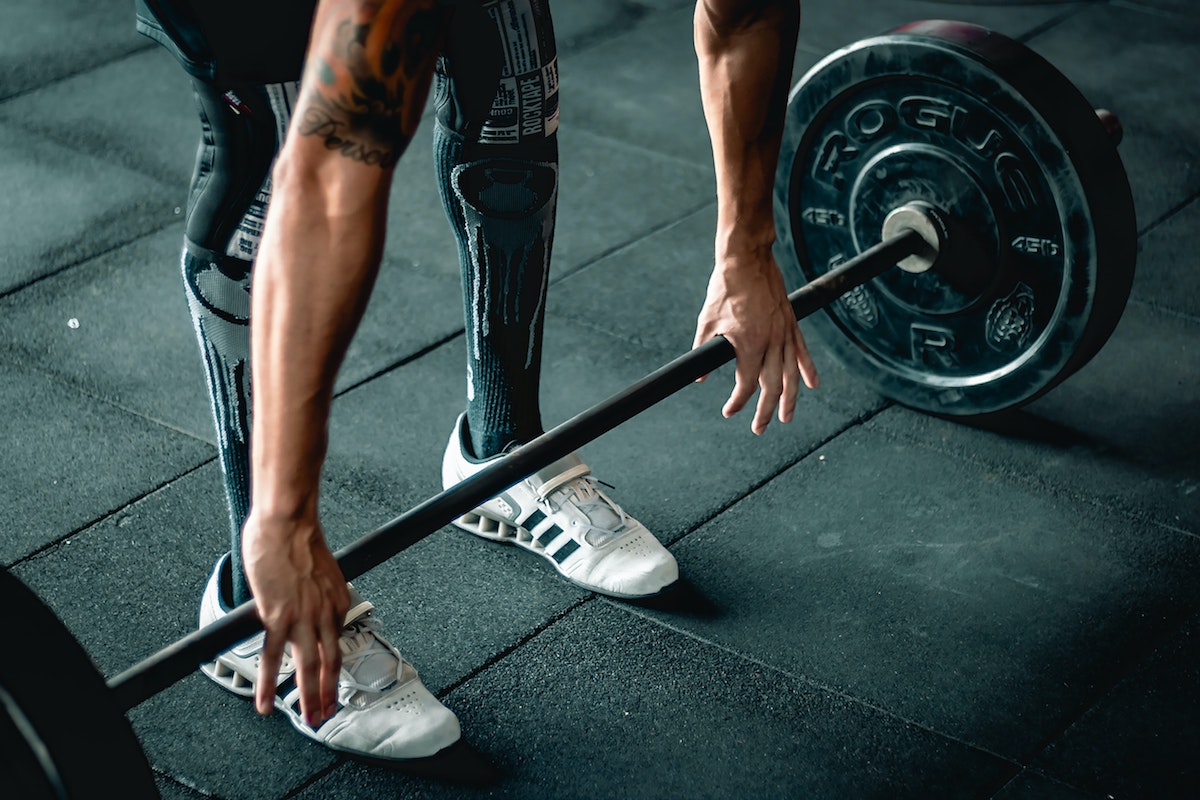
(804, 360)
(767, 403)
(331, 666)
(770, 381)
(776, 373)
(741, 394)
(268, 673)
(791, 383)
(744, 383)
(306, 657)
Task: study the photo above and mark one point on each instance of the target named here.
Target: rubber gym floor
(877, 602)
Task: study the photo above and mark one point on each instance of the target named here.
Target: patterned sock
(218, 294)
(502, 211)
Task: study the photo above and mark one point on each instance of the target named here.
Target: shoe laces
(605, 518)
(369, 665)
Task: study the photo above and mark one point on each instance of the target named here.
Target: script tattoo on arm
(368, 73)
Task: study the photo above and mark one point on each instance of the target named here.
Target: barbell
(953, 153)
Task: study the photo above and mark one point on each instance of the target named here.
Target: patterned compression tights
(496, 153)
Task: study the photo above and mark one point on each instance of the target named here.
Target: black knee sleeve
(242, 128)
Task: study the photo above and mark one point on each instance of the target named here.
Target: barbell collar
(928, 223)
(174, 662)
(1112, 125)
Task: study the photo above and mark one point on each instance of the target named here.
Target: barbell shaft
(174, 662)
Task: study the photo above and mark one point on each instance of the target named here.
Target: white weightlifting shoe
(384, 711)
(561, 514)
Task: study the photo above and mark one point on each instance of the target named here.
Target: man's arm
(745, 50)
(366, 78)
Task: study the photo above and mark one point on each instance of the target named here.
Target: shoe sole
(504, 532)
(228, 678)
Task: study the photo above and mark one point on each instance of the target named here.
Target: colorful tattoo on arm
(369, 69)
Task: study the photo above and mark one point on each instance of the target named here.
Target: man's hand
(302, 599)
(747, 304)
(745, 50)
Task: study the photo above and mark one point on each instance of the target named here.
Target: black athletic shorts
(232, 41)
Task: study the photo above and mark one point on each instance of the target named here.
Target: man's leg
(496, 152)
(496, 149)
(242, 127)
(383, 710)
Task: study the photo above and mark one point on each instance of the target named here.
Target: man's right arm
(745, 50)
(366, 78)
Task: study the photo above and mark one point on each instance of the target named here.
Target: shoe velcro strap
(562, 478)
(551, 472)
(359, 607)
(358, 611)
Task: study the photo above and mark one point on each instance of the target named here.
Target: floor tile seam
(81, 390)
(122, 160)
(666, 355)
(609, 335)
(135, 49)
(192, 789)
(1167, 630)
(614, 251)
(305, 784)
(1113, 506)
(1167, 215)
(1022, 770)
(153, 420)
(1055, 21)
(509, 650)
(591, 42)
(1156, 307)
(85, 260)
(856, 421)
(401, 362)
(813, 683)
(633, 15)
(409, 358)
(1105, 688)
(629, 244)
(707, 167)
(457, 333)
(1133, 5)
(176, 780)
(322, 773)
(108, 515)
(810, 49)
(1165, 633)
